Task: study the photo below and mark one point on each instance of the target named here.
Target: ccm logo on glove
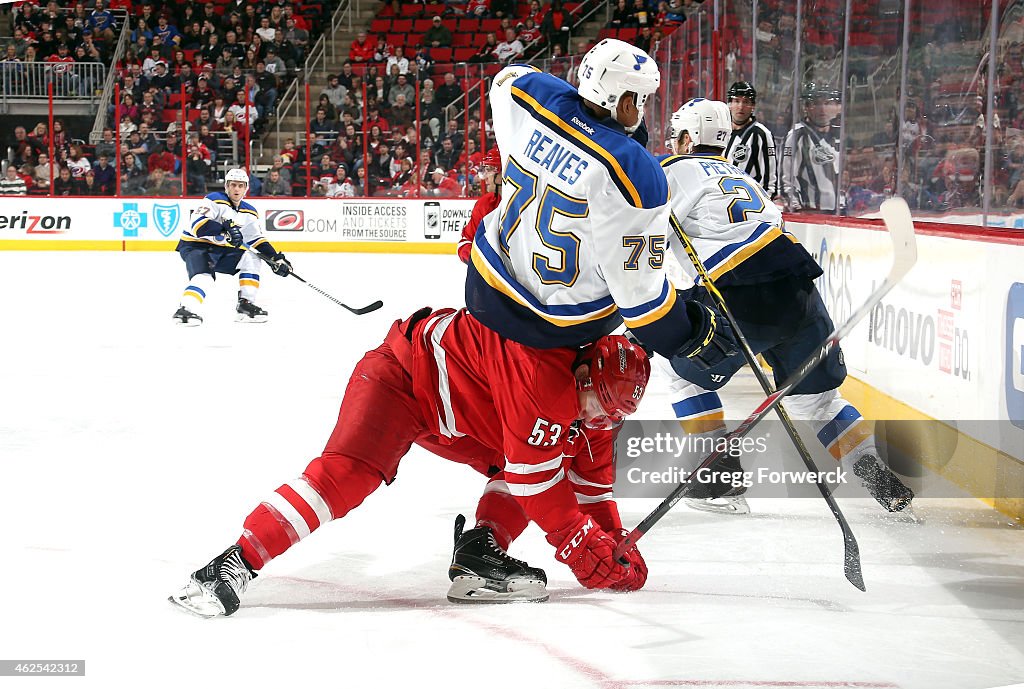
(576, 540)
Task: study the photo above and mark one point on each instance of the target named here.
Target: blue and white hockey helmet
(708, 123)
(236, 175)
(612, 68)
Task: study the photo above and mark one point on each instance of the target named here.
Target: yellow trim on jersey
(654, 315)
(248, 283)
(201, 223)
(746, 252)
(589, 144)
(495, 281)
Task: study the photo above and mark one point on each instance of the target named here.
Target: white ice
(131, 450)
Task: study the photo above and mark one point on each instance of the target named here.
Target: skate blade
(198, 601)
(242, 318)
(474, 590)
(190, 323)
(734, 505)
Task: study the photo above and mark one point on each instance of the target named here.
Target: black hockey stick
(851, 559)
(357, 311)
(897, 219)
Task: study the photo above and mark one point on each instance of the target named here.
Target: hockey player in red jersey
(443, 381)
(490, 170)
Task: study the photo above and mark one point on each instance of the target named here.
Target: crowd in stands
(226, 61)
(364, 136)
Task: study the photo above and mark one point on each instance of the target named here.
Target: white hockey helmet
(708, 122)
(613, 67)
(236, 175)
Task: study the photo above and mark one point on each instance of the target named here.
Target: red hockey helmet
(619, 372)
(492, 159)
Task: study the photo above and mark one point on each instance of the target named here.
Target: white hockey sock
(249, 284)
(840, 428)
(195, 294)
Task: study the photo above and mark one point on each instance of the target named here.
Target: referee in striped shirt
(809, 169)
(751, 146)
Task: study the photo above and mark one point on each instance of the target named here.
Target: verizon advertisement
(332, 224)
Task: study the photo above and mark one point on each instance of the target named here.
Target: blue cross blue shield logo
(130, 219)
(166, 218)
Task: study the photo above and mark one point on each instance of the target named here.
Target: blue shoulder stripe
(556, 104)
(217, 196)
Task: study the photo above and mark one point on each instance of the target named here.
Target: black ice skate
(214, 589)
(720, 496)
(185, 317)
(482, 572)
(249, 312)
(884, 486)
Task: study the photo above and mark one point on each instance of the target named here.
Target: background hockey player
(447, 383)
(215, 241)
(751, 146)
(810, 154)
(766, 277)
(490, 175)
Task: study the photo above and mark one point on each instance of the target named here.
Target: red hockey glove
(464, 251)
(589, 553)
(636, 574)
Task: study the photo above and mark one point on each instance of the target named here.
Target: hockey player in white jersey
(215, 242)
(577, 243)
(766, 277)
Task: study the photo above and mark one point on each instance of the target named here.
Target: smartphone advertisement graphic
(432, 220)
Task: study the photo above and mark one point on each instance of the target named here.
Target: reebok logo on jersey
(576, 121)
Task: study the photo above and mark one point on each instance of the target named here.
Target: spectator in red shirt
(374, 119)
(160, 158)
(361, 50)
(445, 185)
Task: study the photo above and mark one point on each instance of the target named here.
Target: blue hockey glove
(234, 233)
(280, 265)
(713, 340)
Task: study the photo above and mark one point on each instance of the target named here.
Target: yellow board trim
(974, 466)
(168, 245)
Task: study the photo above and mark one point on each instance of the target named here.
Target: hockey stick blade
(851, 551)
(896, 215)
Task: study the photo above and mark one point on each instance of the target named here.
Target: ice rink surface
(131, 451)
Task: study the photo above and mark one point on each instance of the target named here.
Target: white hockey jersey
(577, 243)
(214, 213)
(737, 231)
